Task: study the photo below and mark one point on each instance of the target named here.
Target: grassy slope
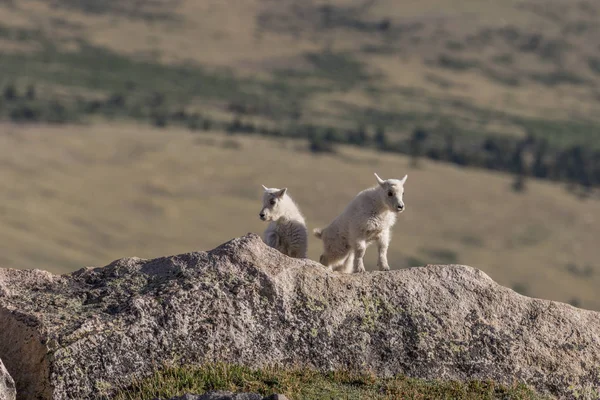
(307, 385)
(76, 196)
(493, 67)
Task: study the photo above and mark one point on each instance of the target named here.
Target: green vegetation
(151, 10)
(338, 69)
(307, 384)
(505, 59)
(594, 64)
(455, 63)
(558, 77)
(96, 68)
(585, 272)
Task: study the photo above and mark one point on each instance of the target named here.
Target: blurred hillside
(499, 68)
(511, 87)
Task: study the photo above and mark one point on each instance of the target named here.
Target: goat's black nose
(400, 207)
(261, 215)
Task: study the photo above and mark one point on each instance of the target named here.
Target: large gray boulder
(84, 334)
(7, 385)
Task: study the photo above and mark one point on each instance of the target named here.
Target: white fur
(368, 218)
(287, 230)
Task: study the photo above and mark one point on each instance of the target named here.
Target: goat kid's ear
(379, 180)
(281, 192)
(403, 180)
(264, 187)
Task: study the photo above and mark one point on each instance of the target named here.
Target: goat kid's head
(272, 208)
(392, 192)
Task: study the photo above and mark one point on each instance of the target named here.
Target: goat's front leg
(360, 247)
(383, 242)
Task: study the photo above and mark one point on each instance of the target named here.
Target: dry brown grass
(86, 195)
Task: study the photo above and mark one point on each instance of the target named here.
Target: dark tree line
(527, 157)
(530, 156)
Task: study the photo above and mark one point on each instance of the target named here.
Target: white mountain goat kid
(287, 230)
(369, 217)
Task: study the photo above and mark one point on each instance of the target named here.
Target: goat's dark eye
(390, 194)
(272, 202)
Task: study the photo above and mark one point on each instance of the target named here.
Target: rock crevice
(7, 385)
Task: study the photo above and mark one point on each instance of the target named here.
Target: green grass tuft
(308, 384)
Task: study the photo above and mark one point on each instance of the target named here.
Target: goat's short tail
(318, 232)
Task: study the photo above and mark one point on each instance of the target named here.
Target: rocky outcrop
(7, 385)
(89, 332)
